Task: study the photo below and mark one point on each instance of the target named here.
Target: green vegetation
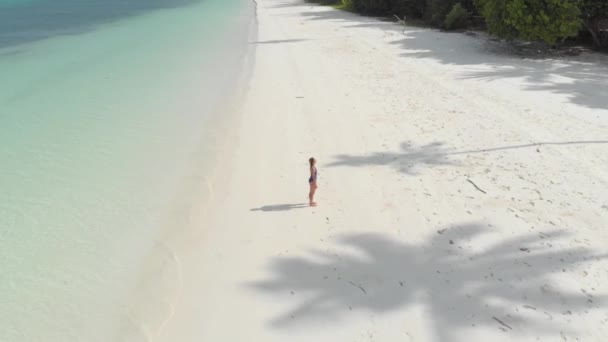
(551, 21)
(371, 6)
(436, 11)
(346, 5)
(457, 18)
(548, 20)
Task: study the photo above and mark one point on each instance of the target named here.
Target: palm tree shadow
(409, 160)
(281, 207)
(511, 285)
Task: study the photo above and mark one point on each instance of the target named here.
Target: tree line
(552, 21)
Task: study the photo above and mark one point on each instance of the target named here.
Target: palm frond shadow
(409, 160)
(512, 285)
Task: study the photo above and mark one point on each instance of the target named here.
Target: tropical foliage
(548, 20)
(551, 21)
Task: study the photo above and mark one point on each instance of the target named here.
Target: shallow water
(107, 112)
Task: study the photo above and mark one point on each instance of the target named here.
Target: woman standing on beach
(312, 181)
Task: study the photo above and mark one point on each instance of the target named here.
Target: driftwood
(502, 323)
(476, 187)
(399, 20)
(359, 286)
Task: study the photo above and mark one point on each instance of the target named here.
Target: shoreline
(177, 244)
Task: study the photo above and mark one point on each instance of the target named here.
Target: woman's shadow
(281, 207)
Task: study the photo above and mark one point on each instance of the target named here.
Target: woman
(312, 181)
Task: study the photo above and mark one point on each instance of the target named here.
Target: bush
(548, 20)
(437, 10)
(414, 8)
(495, 14)
(410, 8)
(325, 2)
(347, 4)
(371, 6)
(457, 18)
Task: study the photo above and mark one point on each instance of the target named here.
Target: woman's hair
(311, 161)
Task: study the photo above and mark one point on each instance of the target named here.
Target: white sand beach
(463, 192)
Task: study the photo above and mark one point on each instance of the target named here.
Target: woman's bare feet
(313, 204)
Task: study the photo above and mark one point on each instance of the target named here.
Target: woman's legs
(311, 194)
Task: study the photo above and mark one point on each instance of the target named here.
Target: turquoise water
(107, 116)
